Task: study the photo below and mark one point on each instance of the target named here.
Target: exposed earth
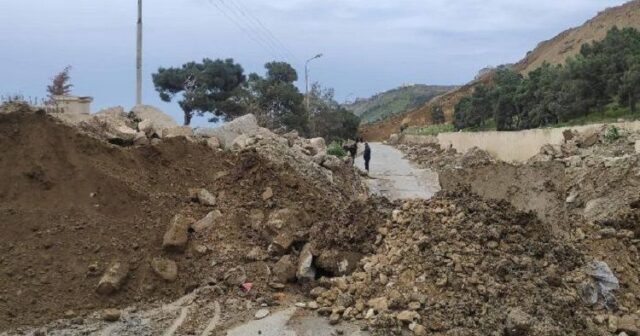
(116, 226)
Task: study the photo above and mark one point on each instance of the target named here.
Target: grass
(335, 148)
(430, 130)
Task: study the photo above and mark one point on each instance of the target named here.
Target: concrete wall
(73, 105)
(510, 146)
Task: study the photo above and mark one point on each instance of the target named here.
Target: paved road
(395, 177)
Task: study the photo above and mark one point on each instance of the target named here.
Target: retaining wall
(517, 146)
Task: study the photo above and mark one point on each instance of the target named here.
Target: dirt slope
(555, 51)
(568, 43)
(70, 205)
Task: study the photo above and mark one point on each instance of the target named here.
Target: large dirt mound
(72, 205)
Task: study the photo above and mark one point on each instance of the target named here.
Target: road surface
(395, 177)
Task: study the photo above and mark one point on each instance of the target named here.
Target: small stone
(613, 323)
(113, 278)
(370, 313)
(208, 221)
(111, 315)
(317, 291)
(312, 305)
(379, 304)
(164, 268)
(262, 313)
(300, 305)
(414, 305)
(176, 237)
(334, 318)
(267, 194)
(285, 269)
(305, 271)
(69, 314)
(419, 330)
(213, 143)
(407, 316)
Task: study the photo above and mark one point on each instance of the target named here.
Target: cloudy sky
(368, 45)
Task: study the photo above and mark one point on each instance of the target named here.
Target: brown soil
(68, 201)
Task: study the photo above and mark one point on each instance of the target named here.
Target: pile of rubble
(161, 218)
(433, 156)
(457, 265)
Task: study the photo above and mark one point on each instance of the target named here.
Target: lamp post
(306, 77)
(139, 56)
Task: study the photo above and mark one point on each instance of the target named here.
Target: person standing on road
(367, 155)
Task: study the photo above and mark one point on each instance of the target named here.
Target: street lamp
(306, 77)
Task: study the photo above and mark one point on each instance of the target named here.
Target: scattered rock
(164, 268)
(267, 194)
(281, 244)
(379, 304)
(305, 270)
(262, 313)
(111, 315)
(113, 279)
(407, 316)
(203, 196)
(338, 263)
(285, 269)
(208, 221)
(176, 237)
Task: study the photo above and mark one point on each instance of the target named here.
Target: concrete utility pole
(306, 78)
(139, 57)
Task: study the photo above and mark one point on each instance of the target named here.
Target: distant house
(72, 104)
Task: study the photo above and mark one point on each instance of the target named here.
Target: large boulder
(229, 131)
(177, 131)
(154, 120)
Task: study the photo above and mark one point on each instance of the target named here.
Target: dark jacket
(367, 152)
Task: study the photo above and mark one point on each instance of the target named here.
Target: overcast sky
(369, 46)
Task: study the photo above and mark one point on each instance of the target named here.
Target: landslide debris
(458, 265)
(91, 224)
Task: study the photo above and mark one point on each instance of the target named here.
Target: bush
(335, 148)
(613, 134)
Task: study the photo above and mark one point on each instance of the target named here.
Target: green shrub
(613, 134)
(335, 148)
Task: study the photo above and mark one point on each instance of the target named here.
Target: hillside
(555, 51)
(399, 100)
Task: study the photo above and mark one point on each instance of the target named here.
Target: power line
(241, 15)
(242, 28)
(247, 13)
(246, 28)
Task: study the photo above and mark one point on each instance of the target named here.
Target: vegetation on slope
(396, 101)
(605, 75)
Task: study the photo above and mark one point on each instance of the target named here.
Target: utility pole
(139, 57)
(306, 78)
